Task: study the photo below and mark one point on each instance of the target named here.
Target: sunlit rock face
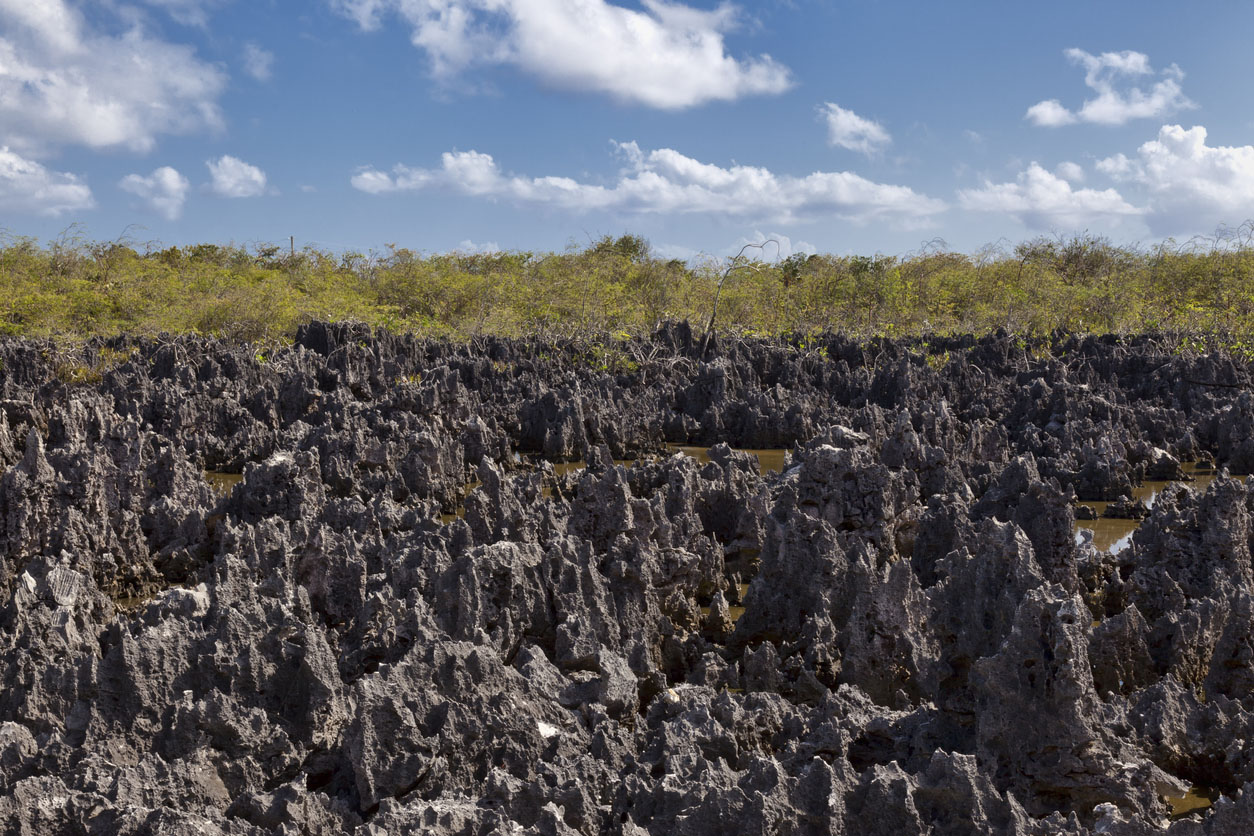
(370, 583)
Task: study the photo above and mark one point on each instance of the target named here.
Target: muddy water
(1197, 798)
(222, 483)
(131, 603)
(769, 461)
(1112, 535)
(445, 519)
(563, 468)
(734, 612)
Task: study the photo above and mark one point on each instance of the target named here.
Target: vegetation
(1200, 291)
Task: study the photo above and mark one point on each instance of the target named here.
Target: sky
(841, 126)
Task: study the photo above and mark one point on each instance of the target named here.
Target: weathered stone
(318, 650)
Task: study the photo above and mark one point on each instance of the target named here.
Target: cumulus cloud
(664, 181)
(26, 187)
(258, 63)
(1071, 172)
(1042, 200)
(1118, 101)
(667, 55)
(232, 177)
(164, 191)
(847, 129)
(1050, 114)
(63, 82)
(1190, 184)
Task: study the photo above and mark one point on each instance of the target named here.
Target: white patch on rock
(64, 585)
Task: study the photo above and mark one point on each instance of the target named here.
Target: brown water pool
(769, 461)
(1112, 535)
(222, 483)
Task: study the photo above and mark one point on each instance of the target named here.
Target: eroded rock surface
(402, 617)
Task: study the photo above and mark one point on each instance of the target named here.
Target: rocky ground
(349, 640)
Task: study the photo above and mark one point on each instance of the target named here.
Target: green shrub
(80, 289)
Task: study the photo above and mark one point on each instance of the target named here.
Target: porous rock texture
(403, 618)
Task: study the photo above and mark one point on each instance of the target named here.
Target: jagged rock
(327, 647)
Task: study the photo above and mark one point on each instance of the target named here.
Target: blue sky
(856, 126)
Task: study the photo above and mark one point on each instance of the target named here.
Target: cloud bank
(1189, 182)
(1042, 200)
(668, 55)
(664, 181)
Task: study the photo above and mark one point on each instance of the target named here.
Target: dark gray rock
(327, 648)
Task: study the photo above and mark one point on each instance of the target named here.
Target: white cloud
(471, 248)
(1112, 106)
(190, 12)
(26, 187)
(668, 55)
(1042, 200)
(783, 247)
(164, 190)
(1191, 184)
(663, 181)
(232, 177)
(1050, 114)
(849, 130)
(62, 82)
(258, 63)
(1118, 167)
(53, 22)
(1071, 172)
